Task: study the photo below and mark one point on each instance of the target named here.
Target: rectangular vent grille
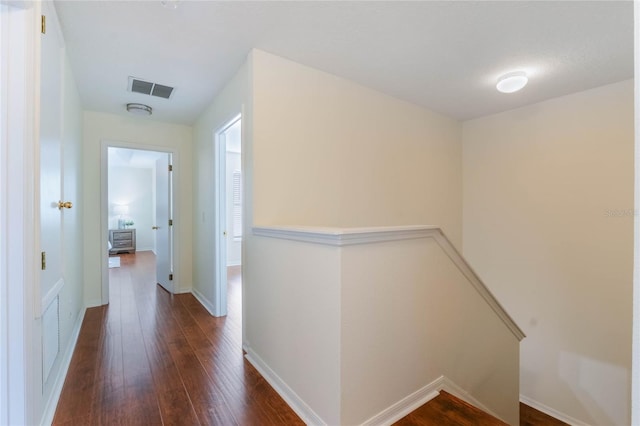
(148, 88)
(162, 91)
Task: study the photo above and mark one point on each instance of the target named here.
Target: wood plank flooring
(531, 417)
(150, 358)
(446, 409)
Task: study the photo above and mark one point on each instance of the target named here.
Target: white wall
(548, 224)
(226, 106)
(137, 130)
(134, 187)
(329, 152)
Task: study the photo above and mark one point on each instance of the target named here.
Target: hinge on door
(43, 260)
(170, 167)
(170, 277)
(170, 222)
(43, 24)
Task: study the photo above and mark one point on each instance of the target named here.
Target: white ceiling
(444, 55)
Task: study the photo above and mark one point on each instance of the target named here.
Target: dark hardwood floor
(446, 409)
(150, 358)
(532, 417)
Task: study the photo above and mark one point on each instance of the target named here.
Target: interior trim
(341, 237)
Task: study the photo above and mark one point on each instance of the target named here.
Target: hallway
(150, 358)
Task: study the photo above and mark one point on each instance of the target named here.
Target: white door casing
(104, 218)
(19, 63)
(220, 231)
(220, 302)
(163, 229)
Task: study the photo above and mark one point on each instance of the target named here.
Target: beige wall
(292, 308)
(548, 224)
(136, 130)
(329, 152)
(409, 316)
(359, 332)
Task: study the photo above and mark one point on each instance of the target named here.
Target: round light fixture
(139, 109)
(512, 82)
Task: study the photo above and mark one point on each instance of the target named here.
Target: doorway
(229, 206)
(138, 210)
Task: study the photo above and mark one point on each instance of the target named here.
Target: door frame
(20, 384)
(220, 211)
(105, 144)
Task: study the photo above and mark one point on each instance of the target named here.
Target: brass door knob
(64, 204)
(155, 227)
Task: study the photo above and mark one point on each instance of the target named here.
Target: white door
(164, 234)
(51, 238)
(50, 158)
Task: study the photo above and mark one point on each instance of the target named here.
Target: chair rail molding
(341, 237)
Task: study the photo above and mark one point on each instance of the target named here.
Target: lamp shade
(121, 209)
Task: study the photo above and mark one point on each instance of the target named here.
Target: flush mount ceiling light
(512, 82)
(139, 109)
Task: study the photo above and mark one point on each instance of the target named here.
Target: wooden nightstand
(122, 240)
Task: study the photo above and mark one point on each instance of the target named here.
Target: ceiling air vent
(148, 88)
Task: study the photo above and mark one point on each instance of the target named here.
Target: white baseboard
(449, 386)
(387, 416)
(551, 411)
(52, 403)
(203, 301)
(420, 397)
(295, 402)
(406, 405)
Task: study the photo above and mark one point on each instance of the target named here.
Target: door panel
(164, 264)
(50, 159)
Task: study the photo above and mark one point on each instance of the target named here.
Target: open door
(51, 202)
(164, 223)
